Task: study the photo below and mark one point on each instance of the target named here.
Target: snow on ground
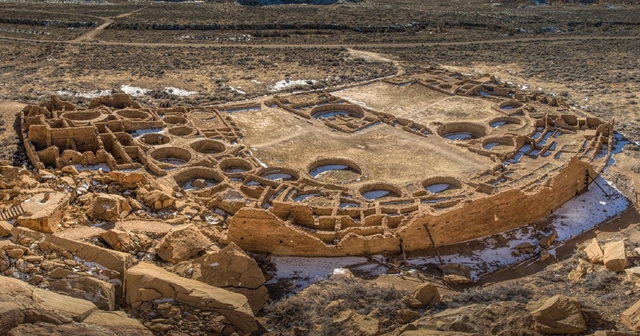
(134, 90)
(100, 166)
(236, 90)
(88, 95)
(306, 271)
(179, 92)
(284, 84)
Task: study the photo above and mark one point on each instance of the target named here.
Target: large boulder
(146, 282)
(20, 303)
(233, 270)
(631, 317)
(456, 273)
(101, 293)
(109, 207)
(427, 294)
(558, 315)
(181, 244)
(5, 228)
(615, 256)
(126, 241)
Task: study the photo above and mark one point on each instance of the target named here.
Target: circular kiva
(461, 131)
(439, 184)
(198, 178)
(375, 191)
(498, 143)
(333, 110)
(175, 120)
(510, 105)
(235, 166)
(134, 114)
(181, 131)
(506, 123)
(175, 156)
(334, 170)
(154, 139)
(85, 116)
(279, 174)
(208, 146)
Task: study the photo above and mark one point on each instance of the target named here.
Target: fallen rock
(128, 178)
(44, 211)
(101, 293)
(147, 282)
(157, 199)
(427, 294)
(524, 248)
(126, 241)
(107, 259)
(615, 256)
(23, 303)
(5, 228)
(633, 273)
(357, 324)
(456, 279)
(233, 270)
(117, 322)
(181, 244)
(558, 315)
(457, 269)
(594, 252)
(631, 317)
(407, 315)
(108, 207)
(546, 241)
(581, 269)
(72, 170)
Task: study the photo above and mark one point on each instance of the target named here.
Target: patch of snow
(134, 90)
(307, 271)
(287, 83)
(89, 94)
(179, 92)
(236, 90)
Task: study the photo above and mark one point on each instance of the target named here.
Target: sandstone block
(594, 252)
(5, 228)
(427, 294)
(126, 241)
(559, 315)
(101, 293)
(233, 270)
(234, 307)
(181, 244)
(631, 317)
(615, 257)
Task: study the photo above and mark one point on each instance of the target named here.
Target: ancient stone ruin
(471, 158)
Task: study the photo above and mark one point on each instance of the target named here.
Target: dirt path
(377, 57)
(107, 21)
(320, 46)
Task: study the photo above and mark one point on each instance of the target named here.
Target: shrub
(307, 309)
(513, 291)
(599, 280)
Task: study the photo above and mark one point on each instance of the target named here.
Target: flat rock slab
(147, 282)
